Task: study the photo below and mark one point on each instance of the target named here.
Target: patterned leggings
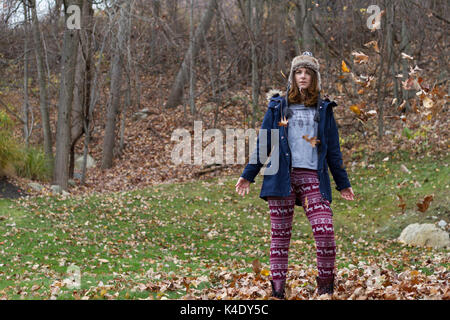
(305, 186)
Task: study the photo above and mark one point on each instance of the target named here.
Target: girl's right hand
(242, 186)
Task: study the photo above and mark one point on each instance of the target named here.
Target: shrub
(34, 164)
(17, 159)
(9, 147)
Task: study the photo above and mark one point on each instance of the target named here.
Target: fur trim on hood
(272, 93)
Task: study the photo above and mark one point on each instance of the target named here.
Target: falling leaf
(344, 67)
(306, 202)
(405, 56)
(265, 272)
(402, 204)
(355, 108)
(425, 203)
(413, 71)
(410, 84)
(283, 122)
(360, 57)
(428, 103)
(402, 106)
(362, 80)
(313, 141)
(373, 44)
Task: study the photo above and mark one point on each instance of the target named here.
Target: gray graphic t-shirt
(300, 124)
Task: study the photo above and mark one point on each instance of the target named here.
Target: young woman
(308, 143)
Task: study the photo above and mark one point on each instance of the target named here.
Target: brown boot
(277, 294)
(325, 285)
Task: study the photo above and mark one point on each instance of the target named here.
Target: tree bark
(26, 104)
(92, 103)
(405, 71)
(307, 40)
(191, 61)
(390, 44)
(255, 18)
(115, 87)
(45, 119)
(69, 61)
(83, 82)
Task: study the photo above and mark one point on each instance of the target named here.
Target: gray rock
(425, 235)
(142, 114)
(35, 186)
(90, 162)
(56, 188)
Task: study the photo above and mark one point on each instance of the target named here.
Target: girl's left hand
(347, 193)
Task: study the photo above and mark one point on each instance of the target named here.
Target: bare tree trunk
(281, 28)
(172, 6)
(307, 41)
(298, 27)
(83, 78)
(129, 70)
(382, 79)
(192, 61)
(69, 61)
(176, 93)
(390, 44)
(45, 119)
(27, 127)
(405, 71)
(255, 18)
(76, 123)
(115, 90)
(92, 103)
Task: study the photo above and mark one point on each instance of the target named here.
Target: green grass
(194, 229)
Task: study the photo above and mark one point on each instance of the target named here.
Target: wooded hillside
(114, 79)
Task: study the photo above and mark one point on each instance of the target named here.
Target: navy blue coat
(329, 152)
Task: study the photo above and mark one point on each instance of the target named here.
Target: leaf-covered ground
(201, 240)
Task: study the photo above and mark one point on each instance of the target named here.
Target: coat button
(282, 137)
(287, 154)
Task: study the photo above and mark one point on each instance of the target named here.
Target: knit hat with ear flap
(307, 60)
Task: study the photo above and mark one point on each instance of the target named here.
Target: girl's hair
(310, 95)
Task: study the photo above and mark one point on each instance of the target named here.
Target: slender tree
(176, 93)
(123, 10)
(39, 52)
(63, 126)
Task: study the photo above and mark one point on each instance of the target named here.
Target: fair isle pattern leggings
(305, 186)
